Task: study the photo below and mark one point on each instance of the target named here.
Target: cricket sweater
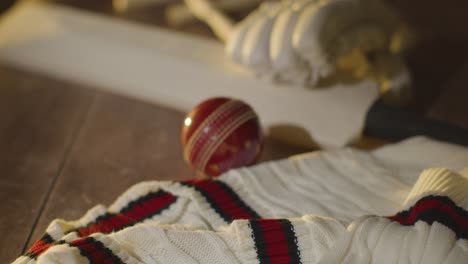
(342, 206)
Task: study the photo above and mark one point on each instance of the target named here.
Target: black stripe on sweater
(47, 241)
(128, 207)
(95, 251)
(439, 209)
(259, 240)
(39, 246)
(291, 239)
(275, 241)
(238, 200)
(227, 214)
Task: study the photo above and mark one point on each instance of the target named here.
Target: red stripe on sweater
(222, 199)
(136, 211)
(275, 241)
(39, 247)
(95, 251)
(432, 204)
(131, 216)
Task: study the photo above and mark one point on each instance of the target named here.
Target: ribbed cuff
(441, 182)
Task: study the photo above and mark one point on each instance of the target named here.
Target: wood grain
(123, 142)
(38, 117)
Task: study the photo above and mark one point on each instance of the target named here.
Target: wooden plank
(124, 142)
(38, 118)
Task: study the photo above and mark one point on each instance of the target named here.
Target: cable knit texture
(341, 206)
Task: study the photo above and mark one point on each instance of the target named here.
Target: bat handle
(391, 123)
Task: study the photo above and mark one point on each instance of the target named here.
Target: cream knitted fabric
(435, 230)
(440, 182)
(330, 192)
(369, 239)
(342, 184)
(152, 243)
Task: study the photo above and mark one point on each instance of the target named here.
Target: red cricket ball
(221, 134)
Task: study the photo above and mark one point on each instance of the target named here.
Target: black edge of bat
(394, 124)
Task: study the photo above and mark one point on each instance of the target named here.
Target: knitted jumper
(342, 206)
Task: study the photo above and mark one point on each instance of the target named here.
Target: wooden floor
(64, 148)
